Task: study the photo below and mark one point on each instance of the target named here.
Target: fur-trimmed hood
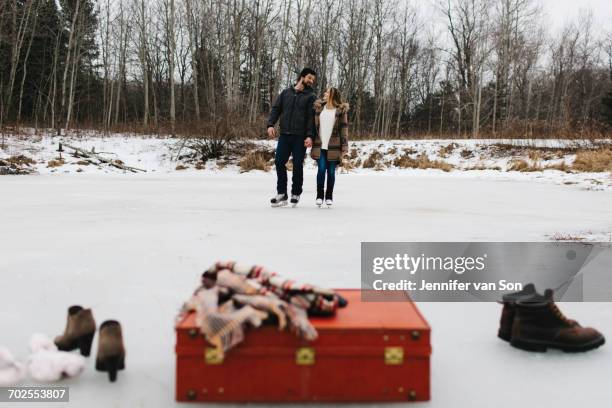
(319, 104)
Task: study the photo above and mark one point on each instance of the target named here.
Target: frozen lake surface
(132, 247)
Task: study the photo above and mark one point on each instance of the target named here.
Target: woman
(331, 141)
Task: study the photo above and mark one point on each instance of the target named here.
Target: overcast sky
(556, 13)
(560, 11)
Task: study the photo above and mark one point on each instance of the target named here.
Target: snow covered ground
(481, 159)
(132, 248)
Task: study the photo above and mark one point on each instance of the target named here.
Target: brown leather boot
(508, 312)
(111, 352)
(79, 332)
(539, 325)
(509, 300)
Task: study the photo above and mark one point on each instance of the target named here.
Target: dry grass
(379, 167)
(16, 165)
(21, 160)
(256, 160)
(559, 166)
(83, 163)
(543, 153)
(243, 147)
(56, 163)
(515, 129)
(481, 166)
(392, 150)
(447, 150)
(180, 167)
(523, 166)
(354, 154)
(348, 165)
(373, 161)
(421, 162)
(223, 163)
(200, 165)
(467, 154)
(599, 160)
(534, 153)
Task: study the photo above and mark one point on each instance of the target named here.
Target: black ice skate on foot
(279, 200)
(295, 199)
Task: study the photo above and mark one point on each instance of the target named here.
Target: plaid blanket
(232, 297)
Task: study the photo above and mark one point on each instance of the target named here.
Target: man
(294, 107)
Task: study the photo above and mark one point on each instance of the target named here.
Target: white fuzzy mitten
(11, 371)
(47, 363)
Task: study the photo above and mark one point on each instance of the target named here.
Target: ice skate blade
(281, 204)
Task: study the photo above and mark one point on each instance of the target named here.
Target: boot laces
(558, 313)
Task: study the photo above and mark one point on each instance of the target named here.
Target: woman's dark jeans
(329, 167)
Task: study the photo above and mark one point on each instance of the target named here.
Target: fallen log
(93, 155)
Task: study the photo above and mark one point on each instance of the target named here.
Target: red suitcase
(369, 351)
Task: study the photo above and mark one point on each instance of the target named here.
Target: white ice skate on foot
(319, 202)
(280, 200)
(329, 203)
(295, 199)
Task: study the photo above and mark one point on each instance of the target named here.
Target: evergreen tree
(47, 36)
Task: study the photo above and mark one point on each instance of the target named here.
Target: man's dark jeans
(290, 145)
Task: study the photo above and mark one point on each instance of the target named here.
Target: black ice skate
(295, 199)
(279, 200)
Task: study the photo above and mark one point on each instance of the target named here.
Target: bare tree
(405, 51)
(468, 27)
(498, 72)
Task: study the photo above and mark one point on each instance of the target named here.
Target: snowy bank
(512, 159)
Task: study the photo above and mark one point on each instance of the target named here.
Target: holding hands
(271, 132)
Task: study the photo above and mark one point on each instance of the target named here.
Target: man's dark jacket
(295, 110)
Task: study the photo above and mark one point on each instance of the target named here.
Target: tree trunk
(171, 51)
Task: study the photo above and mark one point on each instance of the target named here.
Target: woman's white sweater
(326, 126)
